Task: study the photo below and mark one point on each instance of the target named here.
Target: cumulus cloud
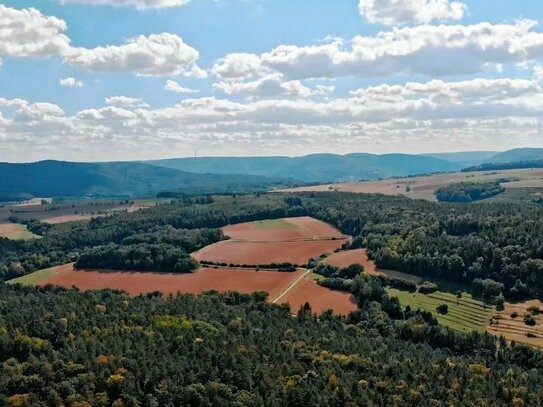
(70, 82)
(157, 54)
(272, 86)
(125, 101)
(173, 86)
(435, 51)
(139, 4)
(238, 65)
(492, 113)
(29, 33)
(403, 12)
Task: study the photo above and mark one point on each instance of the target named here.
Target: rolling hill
(516, 155)
(316, 167)
(60, 178)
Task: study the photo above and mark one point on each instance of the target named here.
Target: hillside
(59, 178)
(506, 166)
(465, 158)
(315, 167)
(516, 155)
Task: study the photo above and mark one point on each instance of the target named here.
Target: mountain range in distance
(230, 174)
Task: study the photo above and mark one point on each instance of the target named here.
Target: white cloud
(238, 65)
(139, 4)
(402, 12)
(29, 33)
(157, 54)
(173, 86)
(70, 82)
(125, 101)
(489, 113)
(434, 51)
(272, 86)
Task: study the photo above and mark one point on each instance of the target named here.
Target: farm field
(360, 256)
(288, 240)
(299, 228)
(16, 231)
(423, 187)
(292, 288)
(514, 329)
(68, 211)
(320, 298)
(255, 253)
(465, 314)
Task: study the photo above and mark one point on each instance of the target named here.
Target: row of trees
(468, 191)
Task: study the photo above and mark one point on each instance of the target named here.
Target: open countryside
(519, 184)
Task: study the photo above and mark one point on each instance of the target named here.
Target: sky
(102, 80)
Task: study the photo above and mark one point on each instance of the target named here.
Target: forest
(468, 191)
(64, 347)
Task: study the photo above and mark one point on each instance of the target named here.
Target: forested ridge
(104, 348)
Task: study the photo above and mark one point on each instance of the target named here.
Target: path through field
(291, 286)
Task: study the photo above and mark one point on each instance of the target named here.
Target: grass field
(465, 314)
(35, 278)
(16, 231)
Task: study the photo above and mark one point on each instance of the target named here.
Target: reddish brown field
(320, 298)
(314, 228)
(295, 252)
(247, 231)
(360, 256)
(348, 257)
(205, 279)
(292, 288)
(281, 230)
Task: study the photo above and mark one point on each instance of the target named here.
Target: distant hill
(316, 167)
(465, 158)
(517, 155)
(59, 178)
(505, 166)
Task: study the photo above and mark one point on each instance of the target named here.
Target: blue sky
(81, 81)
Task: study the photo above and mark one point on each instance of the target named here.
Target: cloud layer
(488, 112)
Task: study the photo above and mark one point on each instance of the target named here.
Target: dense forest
(60, 347)
(493, 242)
(468, 191)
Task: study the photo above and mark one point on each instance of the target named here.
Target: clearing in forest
(464, 313)
(16, 231)
(288, 240)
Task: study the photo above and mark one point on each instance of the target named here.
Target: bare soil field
(292, 288)
(514, 328)
(280, 230)
(255, 253)
(347, 257)
(423, 187)
(320, 298)
(360, 256)
(205, 279)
